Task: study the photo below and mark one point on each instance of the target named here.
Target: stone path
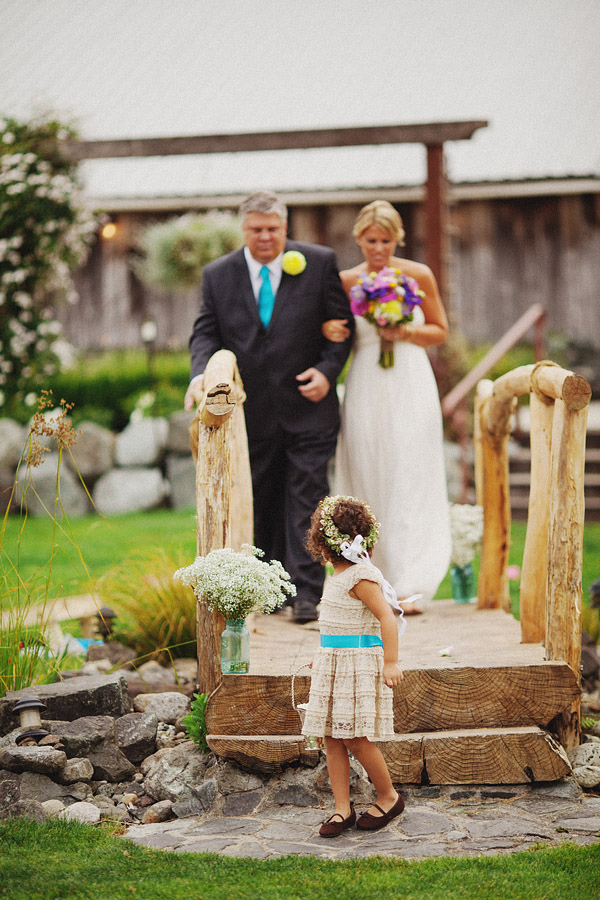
(437, 821)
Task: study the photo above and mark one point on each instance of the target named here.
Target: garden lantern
(29, 711)
(105, 617)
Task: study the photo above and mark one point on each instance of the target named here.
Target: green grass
(105, 541)
(102, 541)
(590, 571)
(61, 859)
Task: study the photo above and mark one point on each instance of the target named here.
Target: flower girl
(356, 668)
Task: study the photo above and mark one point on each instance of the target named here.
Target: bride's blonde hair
(381, 213)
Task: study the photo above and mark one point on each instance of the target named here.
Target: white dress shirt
(254, 268)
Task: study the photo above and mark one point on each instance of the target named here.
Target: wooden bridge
(504, 705)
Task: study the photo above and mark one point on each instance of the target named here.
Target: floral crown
(332, 534)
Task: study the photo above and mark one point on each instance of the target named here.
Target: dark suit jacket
(270, 359)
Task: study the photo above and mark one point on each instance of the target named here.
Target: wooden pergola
(432, 134)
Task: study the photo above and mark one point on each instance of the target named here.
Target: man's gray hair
(263, 202)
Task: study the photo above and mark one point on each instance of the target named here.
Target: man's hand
(194, 392)
(313, 385)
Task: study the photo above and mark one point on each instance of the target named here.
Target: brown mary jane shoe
(367, 822)
(335, 824)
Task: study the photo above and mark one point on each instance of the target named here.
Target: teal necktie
(266, 298)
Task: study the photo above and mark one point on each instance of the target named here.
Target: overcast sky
(143, 67)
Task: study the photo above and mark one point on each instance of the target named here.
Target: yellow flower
(293, 262)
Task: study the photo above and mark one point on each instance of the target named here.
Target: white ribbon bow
(356, 552)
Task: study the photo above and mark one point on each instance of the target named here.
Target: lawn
(98, 543)
(65, 859)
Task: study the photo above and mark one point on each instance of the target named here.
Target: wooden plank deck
(480, 638)
(476, 716)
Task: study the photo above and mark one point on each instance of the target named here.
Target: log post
(218, 437)
(484, 390)
(535, 554)
(565, 547)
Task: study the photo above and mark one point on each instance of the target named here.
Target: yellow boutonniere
(293, 262)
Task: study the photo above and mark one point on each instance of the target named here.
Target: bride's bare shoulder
(411, 267)
(349, 277)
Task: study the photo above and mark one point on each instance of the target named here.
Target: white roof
(143, 68)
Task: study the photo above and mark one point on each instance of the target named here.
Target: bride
(390, 448)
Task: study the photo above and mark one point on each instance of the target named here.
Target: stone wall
(148, 465)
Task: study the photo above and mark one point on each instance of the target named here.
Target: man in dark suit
(266, 303)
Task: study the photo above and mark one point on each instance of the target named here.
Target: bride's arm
(435, 329)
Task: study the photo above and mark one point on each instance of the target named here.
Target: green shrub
(195, 722)
(156, 615)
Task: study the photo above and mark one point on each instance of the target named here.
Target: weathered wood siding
(505, 255)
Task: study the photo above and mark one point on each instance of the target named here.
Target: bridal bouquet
(237, 583)
(386, 298)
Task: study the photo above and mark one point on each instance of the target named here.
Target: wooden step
(427, 700)
(265, 753)
(518, 755)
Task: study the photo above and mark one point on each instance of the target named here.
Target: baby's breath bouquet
(466, 529)
(236, 583)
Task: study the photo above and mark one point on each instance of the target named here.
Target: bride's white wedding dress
(390, 454)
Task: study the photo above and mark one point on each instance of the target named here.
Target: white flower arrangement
(466, 530)
(237, 583)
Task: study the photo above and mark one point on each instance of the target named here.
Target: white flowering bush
(175, 252)
(235, 583)
(44, 235)
(466, 530)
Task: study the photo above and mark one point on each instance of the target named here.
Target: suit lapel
(244, 286)
(285, 292)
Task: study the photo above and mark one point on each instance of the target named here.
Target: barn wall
(505, 255)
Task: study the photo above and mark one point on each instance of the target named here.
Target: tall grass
(26, 655)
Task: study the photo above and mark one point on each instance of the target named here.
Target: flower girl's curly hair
(339, 519)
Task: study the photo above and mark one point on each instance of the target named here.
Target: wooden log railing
(454, 404)
(223, 484)
(551, 593)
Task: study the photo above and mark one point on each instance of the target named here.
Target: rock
(28, 809)
(115, 653)
(587, 776)
(130, 799)
(10, 790)
(142, 443)
(43, 760)
(231, 779)
(109, 763)
(94, 451)
(7, 478)
(167, 707)
(129, 490)
(76, 769)
(158, 812)
(241, 804)
(166, 736)
(178, 435)
(174, 774)
(53, 807)
(74, 500)
(82, 812)
(186, 668)
(585, 755)
(12, 441)
(82, 735)
(153, 673)
(295, 794)
(136, 735)
(199, 802)
(181, 472)
(72, 699)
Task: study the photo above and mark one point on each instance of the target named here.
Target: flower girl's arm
(372, 596)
